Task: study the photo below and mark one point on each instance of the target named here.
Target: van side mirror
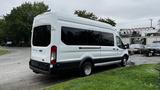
(126, 46)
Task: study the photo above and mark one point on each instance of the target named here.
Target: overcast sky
(127, 13)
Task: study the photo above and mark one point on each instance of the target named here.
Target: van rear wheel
(86, 68)
(36, 72)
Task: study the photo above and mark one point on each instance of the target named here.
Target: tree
(85, 14)
(92, 16)
(19, 21)
(2, 25)
(108, 21)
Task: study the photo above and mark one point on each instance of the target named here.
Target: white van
(60, 42)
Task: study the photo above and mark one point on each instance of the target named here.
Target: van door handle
(89, 47)
(40, 50)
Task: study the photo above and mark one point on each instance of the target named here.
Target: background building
(134, 32)
(142, 35)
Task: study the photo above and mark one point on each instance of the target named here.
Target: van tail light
(53, 54)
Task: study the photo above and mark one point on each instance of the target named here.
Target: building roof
(140, 28)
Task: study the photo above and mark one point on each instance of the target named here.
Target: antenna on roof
(54, 5)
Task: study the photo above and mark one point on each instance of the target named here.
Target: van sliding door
(79, 42)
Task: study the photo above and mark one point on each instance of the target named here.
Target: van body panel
(41, 54)
(75, 53)
(71, 54)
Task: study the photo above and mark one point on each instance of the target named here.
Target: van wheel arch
(84, 65)
(88, 59)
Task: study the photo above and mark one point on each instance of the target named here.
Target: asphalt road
(16, 75)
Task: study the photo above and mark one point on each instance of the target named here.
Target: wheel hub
(87, 70)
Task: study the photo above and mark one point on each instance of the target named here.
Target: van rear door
(41, 39)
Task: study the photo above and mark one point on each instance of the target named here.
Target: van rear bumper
(40, 67)
(36, 70)
(44, 68)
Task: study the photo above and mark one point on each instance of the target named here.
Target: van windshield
(42, 35)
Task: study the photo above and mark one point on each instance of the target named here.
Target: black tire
(149, 54)
(86, 68)
(36, 72)
(124, 61)
(132, 53)
(154, 54)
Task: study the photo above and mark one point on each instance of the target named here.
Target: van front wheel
(124, 61)
(86, 68)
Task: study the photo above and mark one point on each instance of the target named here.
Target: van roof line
(76, 19)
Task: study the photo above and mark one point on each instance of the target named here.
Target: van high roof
(74, 19)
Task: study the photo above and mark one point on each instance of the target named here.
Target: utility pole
(151, 20)
(158, 24)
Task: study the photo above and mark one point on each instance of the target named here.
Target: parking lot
(16, 75)
(141, 59)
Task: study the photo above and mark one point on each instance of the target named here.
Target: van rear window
(42, 35)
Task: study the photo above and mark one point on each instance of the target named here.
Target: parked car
(60, 43)
(136, 48)
(156, 41)
(152, 49)
(9, 43)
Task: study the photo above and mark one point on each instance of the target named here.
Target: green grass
(3, 51)
(143, 77)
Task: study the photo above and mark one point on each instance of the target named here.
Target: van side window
(107, 39)
(75, 36)
(119, 42)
